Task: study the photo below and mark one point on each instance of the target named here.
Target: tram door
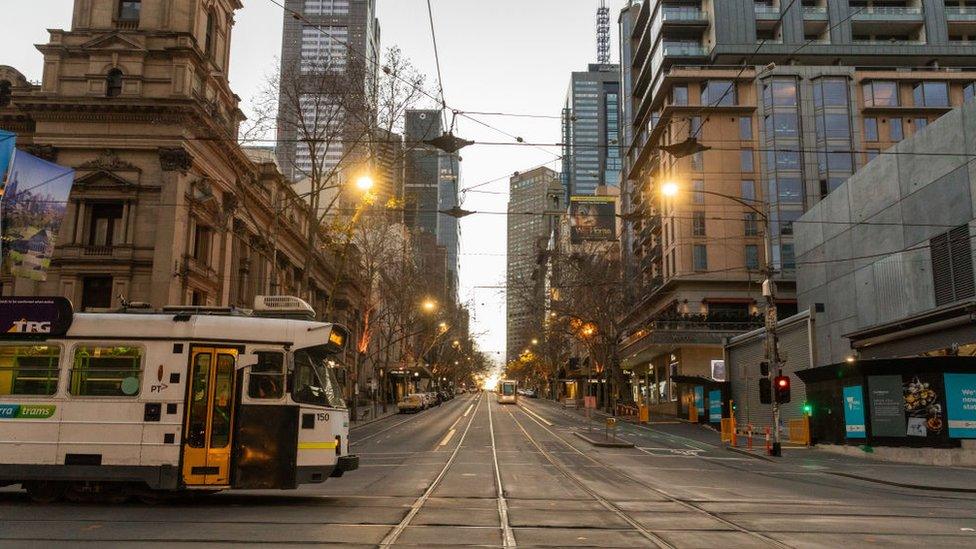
(209, 417)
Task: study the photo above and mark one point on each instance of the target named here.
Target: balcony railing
(886, 13)
(815, 12)
(960, 14)
(765, 12)
(684, 50)
(683, 14)
(98, 251)
(888, 42)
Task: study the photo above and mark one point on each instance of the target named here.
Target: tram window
(314, 381)
(223, 404)
(267, 377)
(106, 371)
(29, 369)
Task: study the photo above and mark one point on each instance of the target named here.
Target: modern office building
(825, 87)
(591, 131)
(430, 185)
(538, 190)
(340, 38)
(625, 26)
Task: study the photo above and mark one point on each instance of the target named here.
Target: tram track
(391, 538)
(619, 512)
(508, 537)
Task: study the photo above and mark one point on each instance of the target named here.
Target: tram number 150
(322, 417)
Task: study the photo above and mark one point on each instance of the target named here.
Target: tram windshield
(508, 389)
(314, 381)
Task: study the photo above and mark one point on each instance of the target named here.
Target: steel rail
(508, 537)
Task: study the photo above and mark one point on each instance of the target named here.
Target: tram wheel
(45, 491)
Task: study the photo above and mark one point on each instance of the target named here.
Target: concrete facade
(866, 252)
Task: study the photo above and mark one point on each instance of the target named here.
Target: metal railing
(676, 13)
(960, 14)
(876, 13)
(98, 250)
(764, 11)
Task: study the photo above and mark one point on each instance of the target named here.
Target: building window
(969, 91)
(698, 197)
(96, 292)
(785, 124)
(202, 237)
(324, 49)
(920, 123)
(718, 92)
(789, 190)
(896, 131)
(326, 7)
(748, 192)
(830, 92)
(870, 129)
(29, 369)
(833, 126)
(745, 127)
(931, 94)
(880, 94)
(751, 224)
(746, 163)
(106, 222)
(871, 154)
(952, 266)
(788, 256)
(700, 257)
(679, 95)
(129, 10)
(211, 38)
(752, 257)
(113, 83)
(782, 93)
(786, 219)
(106, 371)
(698, 224)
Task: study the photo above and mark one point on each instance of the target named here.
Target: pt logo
(24, 326)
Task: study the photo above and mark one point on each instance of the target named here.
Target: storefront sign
(700, 400)
(960, 391)
(715, 406)
(887, 406)
(854, 412)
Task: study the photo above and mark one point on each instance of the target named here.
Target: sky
(511, 56)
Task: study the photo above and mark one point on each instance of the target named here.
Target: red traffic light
(782, 386)
(782, 382)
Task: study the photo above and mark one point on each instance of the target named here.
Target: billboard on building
(33, 207)
(592, 218)
(7, 142)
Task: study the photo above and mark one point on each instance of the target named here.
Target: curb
(750, 454)
(604, 444)
(374, 420)
(903, 484)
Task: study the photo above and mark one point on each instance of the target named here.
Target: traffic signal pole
(772, 341)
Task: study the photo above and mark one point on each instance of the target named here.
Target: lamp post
(771, 351)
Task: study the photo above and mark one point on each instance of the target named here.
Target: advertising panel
(854, 412)
(887, 406)
(923, 406)
(34, 202)
(41, 316)
(960, 390)
(700, 400)
(718, 370)
(592, 218)
(715, 406)
(7, 142)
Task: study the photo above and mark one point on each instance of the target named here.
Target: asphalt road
(473, 472)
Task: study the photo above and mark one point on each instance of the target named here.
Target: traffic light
(764, 369)
(807, 409)
(782, 387)
(765, 391)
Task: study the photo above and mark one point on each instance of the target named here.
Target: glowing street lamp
(429, 305)
(365, 183)
(670, 189)
(535, 341)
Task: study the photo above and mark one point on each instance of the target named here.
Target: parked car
(411, 404)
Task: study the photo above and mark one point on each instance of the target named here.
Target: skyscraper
(825, 87)
(538, 190)
(335, 48)
(591, 130)
(430, 185)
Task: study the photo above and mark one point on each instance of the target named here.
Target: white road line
(448, 437)
(508, 537)
(466, 412)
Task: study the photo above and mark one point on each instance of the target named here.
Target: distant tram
(148, 403)
(508, 392)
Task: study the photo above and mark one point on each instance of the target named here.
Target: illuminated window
(106, 371)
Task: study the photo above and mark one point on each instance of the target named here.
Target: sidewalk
(919, 477)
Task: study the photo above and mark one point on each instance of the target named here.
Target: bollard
(749, 439)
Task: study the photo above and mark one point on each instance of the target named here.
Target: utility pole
(772, 341)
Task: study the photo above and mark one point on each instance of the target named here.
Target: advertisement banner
(7, 142)
(960, 391)
(592, 218)
(715, 406)
(34, 202)
(854, 412)
(718, 370)
(887, 406)
(700, 400)
(41, 316)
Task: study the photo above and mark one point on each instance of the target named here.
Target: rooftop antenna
(603, 34)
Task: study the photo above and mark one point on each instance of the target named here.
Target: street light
(429, 305)
(365, 183)
(670, 189)
(535, 341)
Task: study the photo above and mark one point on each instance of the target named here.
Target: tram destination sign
(34, 316)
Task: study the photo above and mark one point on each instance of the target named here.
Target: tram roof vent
(283, 306)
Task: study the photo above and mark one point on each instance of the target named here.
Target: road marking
(466, 412)
(448, 438)
(535, 415)
(508, 537)
(455, 423)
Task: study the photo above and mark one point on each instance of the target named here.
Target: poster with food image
(923, 406)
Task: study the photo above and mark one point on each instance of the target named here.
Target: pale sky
(510, 56)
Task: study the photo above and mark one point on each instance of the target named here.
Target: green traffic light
(808, 409)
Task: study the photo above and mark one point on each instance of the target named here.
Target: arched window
(211, 33)
(113, 83)
(5, 92)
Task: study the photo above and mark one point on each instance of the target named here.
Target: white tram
(507, 392)
(152, 402)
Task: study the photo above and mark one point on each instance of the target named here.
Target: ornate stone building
(166, 208)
